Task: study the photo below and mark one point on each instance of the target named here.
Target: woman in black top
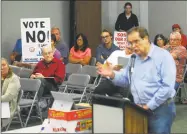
(127, 19)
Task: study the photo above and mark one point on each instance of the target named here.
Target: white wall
(163, 14)
(156, 16)
(12, 11)
(111, 10)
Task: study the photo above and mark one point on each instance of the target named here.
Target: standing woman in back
(10, 86)
(80, 53)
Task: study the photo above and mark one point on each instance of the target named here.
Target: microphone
(131, 69)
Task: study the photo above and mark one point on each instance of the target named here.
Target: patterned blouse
(180, 61)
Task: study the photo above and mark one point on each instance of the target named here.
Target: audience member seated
(16, 55)
(51, 72)
(177, 28)
(104, 50)
(160, 40)
(56, 53)
(10, 86)
(179, 54)
(60, 45)
(80, 53)
(106, 86)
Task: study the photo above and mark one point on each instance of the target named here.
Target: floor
(179, 125)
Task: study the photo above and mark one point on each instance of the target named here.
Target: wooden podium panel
(135, 122)
(111, 114)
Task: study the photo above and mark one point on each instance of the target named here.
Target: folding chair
(16, 70)
(94, 77)
(17, 112)
(182, 86)
(77, 82)
(31, 85)
(92, 61)
(70, 69)
(25, 73)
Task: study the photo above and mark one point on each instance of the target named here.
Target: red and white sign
(120, 39)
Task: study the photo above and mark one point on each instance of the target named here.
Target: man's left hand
(39, 75)
(144, 107)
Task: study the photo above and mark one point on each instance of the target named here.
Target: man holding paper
(106, 86)
(51, 72)
(152, 80)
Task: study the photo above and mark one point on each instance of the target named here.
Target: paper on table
(5, 112)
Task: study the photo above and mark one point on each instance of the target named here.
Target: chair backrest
(123, 61)
(73, 68)
(90, 70)
(80, 80)
(25, 73)
(16, 70)
(20, 95)
(93, 61)
(30, 84)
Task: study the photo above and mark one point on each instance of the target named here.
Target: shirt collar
(150, 54)
(112, 46)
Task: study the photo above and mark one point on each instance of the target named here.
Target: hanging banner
(35, 34)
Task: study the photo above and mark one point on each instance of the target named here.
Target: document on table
(5, 110)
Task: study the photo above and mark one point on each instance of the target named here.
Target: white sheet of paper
(5, 110)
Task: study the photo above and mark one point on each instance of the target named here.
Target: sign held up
(35, 34)
(120, 39)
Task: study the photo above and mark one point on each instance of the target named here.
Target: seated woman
(56, 53)
(80, 53)
(160, 40)
(10, 86)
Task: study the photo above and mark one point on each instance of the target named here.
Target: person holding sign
(10, 86)
(64, 50)
(80, 53)
(126, 20)
(51, 72)
(56, 53)
(104, 50)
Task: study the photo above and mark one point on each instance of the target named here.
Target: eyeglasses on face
(47, 53)
(105, 37)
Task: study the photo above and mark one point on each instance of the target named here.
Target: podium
(116, 115)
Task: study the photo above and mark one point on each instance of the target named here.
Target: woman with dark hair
(56, 53)
(160, 40)
(10, 86)
(80, 53)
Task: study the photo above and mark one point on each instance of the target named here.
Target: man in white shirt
(106, 87)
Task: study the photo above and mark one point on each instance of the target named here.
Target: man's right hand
(106, 70)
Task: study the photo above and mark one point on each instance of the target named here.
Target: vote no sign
(120, 39)
(35, 34)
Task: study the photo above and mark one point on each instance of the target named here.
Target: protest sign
(35, 34)
(120, 39)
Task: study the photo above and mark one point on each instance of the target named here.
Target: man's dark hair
(128, 4)
(85, 43)
(142, 31)
(105, 30)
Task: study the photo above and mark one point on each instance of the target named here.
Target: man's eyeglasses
(174, 39)
(134, 42)
(47, 53)
(104, 37)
